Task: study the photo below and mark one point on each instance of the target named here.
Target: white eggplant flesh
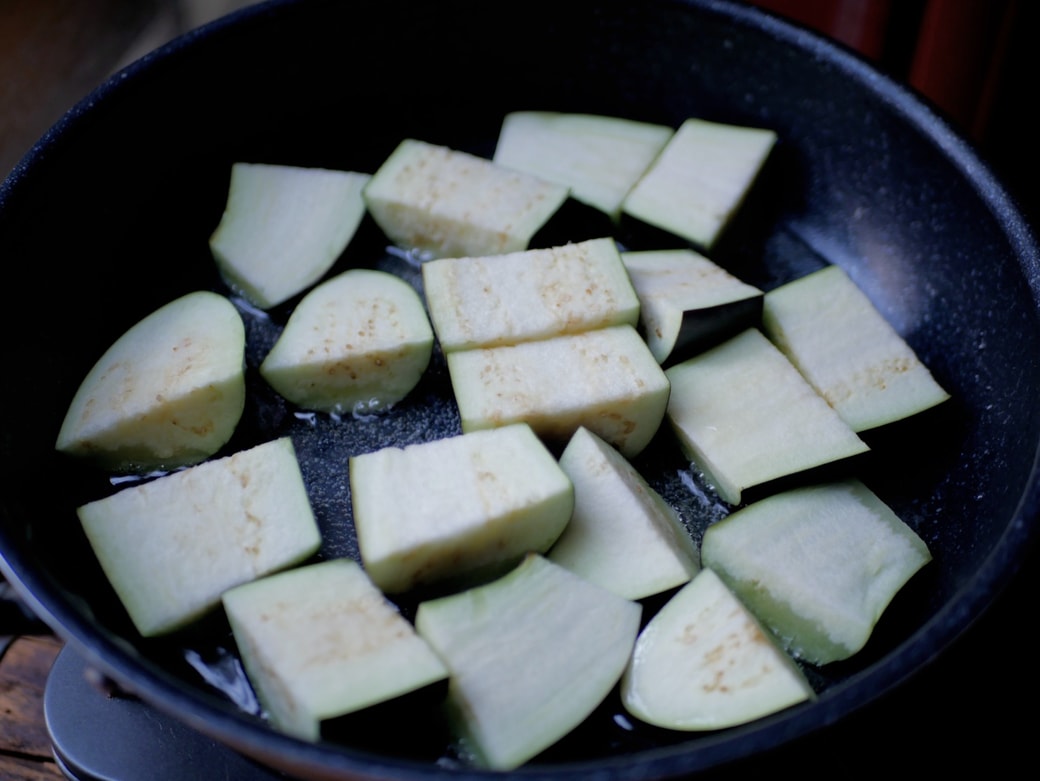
(688, 302)
(524, 296)
(848, 351)
(441, 202)
(169, 392)
(622, 535)
(172, 546)
(704, 662)
(606, 380)
(284, 227)
(530, 655)
(745, 416)
(357, 343)
(818, 565)
(447, 508)
(321, 641)
(599, 158)
(701, 178)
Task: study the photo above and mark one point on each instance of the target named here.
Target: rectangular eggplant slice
(745, 416)
(700, 179)
(443, 202)
(172, 546)
(599, 158)
(321, 641)
(454, 508)
(606, 380)
(856, 360)
(688, 303)
(524, 296)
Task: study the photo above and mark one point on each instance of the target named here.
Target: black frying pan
(108, 216)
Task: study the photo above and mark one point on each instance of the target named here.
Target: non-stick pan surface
(108, 217)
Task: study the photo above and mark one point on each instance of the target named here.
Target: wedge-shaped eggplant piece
(700, 179)
(704, 662)
(622, 535)
(846, 349)
(818, 565)
(606, 380)
(169, 392)
(284, 227)
(531, 655)
(599, 158)
(170, 547)
(447, 203)
(687, 302)
(745, 416)
(320, 641)
(447, 508)
(359, 342)
(523, 296)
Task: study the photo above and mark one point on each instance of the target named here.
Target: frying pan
(108, 216)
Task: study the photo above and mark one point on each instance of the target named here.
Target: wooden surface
(25, 748)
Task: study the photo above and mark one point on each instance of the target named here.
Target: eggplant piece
(605, 379)
(478, 302)
(441, 202)
(356, 343)
(705, 662)
(847, 351)
(745, 416)
(530, 656)
(599, 158)
(700, 179)
(688, 303)
(818, 564)
(284, 227)
(320, 641)
(459, 507)
(169, 392)
(172, 546)
(622, 535)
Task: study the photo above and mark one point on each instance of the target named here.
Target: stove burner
(96, 737)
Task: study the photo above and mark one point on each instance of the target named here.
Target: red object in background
(976, 61)
(951, 51)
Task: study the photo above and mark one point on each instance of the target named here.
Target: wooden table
(25, 749)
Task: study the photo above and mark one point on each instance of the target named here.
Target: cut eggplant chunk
(530, 656)
(599, 158)
(846, 349)
(320, 641)
(606, 380)
(359, 342)
(700, 179)
(745, 416)
(818, 565)
(443, 203)
(169, 392)
(284, 227)
(622, 535)
(172, 546)
(688, 303)
(704, 662)
(451, 507)
(523, 296)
